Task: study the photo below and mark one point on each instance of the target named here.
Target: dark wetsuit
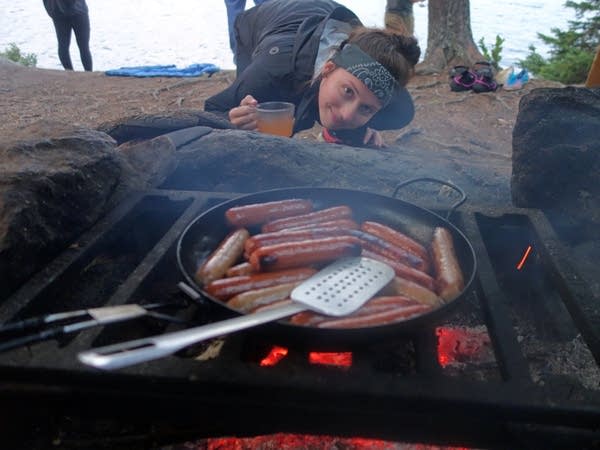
(70, 15)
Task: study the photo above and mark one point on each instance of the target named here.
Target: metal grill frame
(184, 398)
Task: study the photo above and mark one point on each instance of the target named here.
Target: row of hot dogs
(253, 272)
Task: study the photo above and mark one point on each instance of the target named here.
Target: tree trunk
(449, 38)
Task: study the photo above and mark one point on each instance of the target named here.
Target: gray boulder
(556, 152)
(51, 190)
(241, 161)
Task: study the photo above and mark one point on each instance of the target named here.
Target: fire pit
(515, 365)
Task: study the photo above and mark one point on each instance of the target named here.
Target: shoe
(461, 79)
(516, 81)
(484, 78)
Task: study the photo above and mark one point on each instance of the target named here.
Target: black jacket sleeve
(266, 78)
(254, 81)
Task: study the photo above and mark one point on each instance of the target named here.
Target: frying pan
(206, 231)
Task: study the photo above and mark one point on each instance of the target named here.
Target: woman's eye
(366, 110)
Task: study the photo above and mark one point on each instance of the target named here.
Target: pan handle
(463, 196)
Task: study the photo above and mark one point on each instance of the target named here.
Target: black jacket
(277, 44)
(65, 8)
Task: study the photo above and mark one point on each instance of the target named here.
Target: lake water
(183, 32)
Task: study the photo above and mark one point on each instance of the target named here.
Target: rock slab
(556, 152)
(51, 190)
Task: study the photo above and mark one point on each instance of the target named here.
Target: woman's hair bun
(409, 47)
(399, 54)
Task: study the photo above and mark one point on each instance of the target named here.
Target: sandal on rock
(461, 79)
(484, 78)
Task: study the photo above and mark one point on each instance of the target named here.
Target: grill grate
(398, 390)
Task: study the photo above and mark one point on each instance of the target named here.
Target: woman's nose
(348, 112)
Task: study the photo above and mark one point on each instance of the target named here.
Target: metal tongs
(67, 322)
(337, 290)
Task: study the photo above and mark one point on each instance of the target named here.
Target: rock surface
(147, 126)
(556, 152)
(51, 190)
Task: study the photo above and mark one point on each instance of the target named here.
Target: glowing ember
(304, 442)
(462, 345)
(300, 442)
(275, 355)
(331, 359)
(524, 258)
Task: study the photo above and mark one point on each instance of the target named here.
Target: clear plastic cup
(275, 118)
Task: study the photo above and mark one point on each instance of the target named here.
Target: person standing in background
(234, 8)
(70, 15)
(399, 16)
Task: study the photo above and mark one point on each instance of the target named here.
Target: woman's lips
(336, 121)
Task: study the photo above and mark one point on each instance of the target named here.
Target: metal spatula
(337, 290)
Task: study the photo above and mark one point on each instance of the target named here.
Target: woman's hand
(373, 138)
(244, 116)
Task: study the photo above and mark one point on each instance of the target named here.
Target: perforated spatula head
(344, 286)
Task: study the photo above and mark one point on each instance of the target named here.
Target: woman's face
(344, 101)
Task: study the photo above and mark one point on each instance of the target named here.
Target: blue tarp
(193, 70)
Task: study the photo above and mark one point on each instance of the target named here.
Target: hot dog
(258, 213)
(250, 300)
(345, 224)
(278, 237)
(323, 215)
(375, 305)
(381, 304)
(387, 300)
(307, 318)
(303, 253)
(375, 318)
(395, 237)
(401, 286)
(448, 274)
(275, 304)
(243, 268)
(226, 288)
(402, 270)
(223, 257)
(382, 247)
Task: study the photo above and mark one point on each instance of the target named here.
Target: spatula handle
(140, 350)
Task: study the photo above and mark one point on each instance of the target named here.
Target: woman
(317, 55)
(71, 15)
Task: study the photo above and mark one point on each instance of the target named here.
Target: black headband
(373, 74)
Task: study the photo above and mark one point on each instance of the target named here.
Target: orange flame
(331, 359)
(524, 258)
(275, 355)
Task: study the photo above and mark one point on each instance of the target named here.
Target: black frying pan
(205, 233)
